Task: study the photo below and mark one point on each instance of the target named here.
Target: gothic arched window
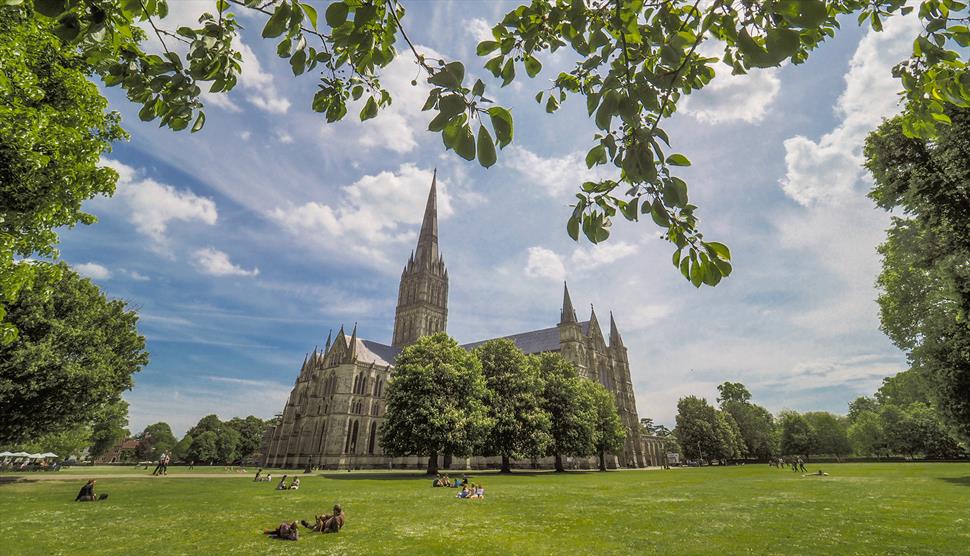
(373, 438)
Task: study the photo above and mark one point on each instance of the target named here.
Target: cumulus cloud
(731, 98)
(259, 84)
(479, 29)
(375, 210)
(545, 263)
(93, 270)
(216, 263)
(554, 175)
(153, 205)
(830, 169)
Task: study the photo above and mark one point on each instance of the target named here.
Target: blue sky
(243, 245)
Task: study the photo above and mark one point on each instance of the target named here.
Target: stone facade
(336, 407)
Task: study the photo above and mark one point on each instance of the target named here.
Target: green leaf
(452, 105)
(486, 47)
(572, 227)
(466, 143)
(311, 13)
(659, 214)
(508, 72)
(719, 249)
(697, 274)
(781, 43)
(277, 22)
(596, 155)
(678, 160)
(336, 14)
(369, 110)
(298, 62)
(49, 8)
(532, 66)
(479, 88)
(449, 76)
(502, 124)
(552, 104)
(486, 148)
(68, 28)
(199, 122)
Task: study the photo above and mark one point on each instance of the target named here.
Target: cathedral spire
(615, 340)
(353, 343)
(427, 251)
(594, 324)
(568, 314)
(329, 341)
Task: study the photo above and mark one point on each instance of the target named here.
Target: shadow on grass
(11, 479)
(964, 481)
(454, 473)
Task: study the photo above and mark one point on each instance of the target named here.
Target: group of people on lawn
(326, 523)
(467, 491)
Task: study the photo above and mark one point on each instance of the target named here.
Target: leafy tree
(571, 411)
(797, 435)
(697, 429)
(513, 403)
(646, 425)
(899, 430)
(733, 392)
(74, 356)
(608, 430)
(250, 431)
(903, 389)
(156, 439)
(434, 403)
(227, 444)
(204, 447)
(109, 428)
(65, 444)
(208, 423)
(933, 436)
(730, 444)
(831, 433)
(53, 130)
(756, 425)
(183, 450)
(861, 405)
(635, 61)
(866, 434)
(925, 281)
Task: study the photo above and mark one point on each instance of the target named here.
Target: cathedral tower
(422, 299)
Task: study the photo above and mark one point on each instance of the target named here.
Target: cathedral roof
(534, 341)
(369, 351)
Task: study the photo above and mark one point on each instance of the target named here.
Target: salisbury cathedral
(336, 407)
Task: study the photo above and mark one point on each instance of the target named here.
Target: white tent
(5, 454)
(49, 455)
(35, 456)
(20, 455)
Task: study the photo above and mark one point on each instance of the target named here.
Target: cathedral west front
(335, 410)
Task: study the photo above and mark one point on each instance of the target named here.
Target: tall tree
(925, 281)
(156, 439)
(797, 435)
(730, 444)
(831, 433)
(513, 402)
(608, 430)
(54, 127)
(733, 392)
(860, 405)
(74, 356)
(866, 434)
(204, 447)
(697, 428)
(570, 409)
(183, 450)
(250, 431)
(109, 427)
(435, 402)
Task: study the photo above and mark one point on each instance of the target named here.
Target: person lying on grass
(285, 532)
(86, 494)
(328, 523)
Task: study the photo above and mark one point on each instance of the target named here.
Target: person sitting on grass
(479, 492)
(282, 485)
(457, 483)
(328, 523)
(463, 493)
(295, 485)
(86, 494)
(285, 532)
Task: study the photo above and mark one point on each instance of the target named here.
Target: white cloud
(259, 84)
(556, 175)
(153, 205)
(585, 258)
(220, 100)
(373, 211)
(245, 135)
(544, 263)
(730, 98)
(830, 170)
(216, 263)
(284, 137)
(93, 270)
(479, 29)
(136, 276)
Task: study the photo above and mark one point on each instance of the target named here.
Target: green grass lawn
(859, 509)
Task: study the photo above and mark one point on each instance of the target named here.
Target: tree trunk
(602, 460)
(506, 464)
(559, 467)
(433, 463)
(447, 462)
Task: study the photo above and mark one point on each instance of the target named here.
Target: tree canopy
(571, 410)
(435, 403)
(925, 280)
(75, 354)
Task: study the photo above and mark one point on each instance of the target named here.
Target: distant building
(336, 407)
(121, 452)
